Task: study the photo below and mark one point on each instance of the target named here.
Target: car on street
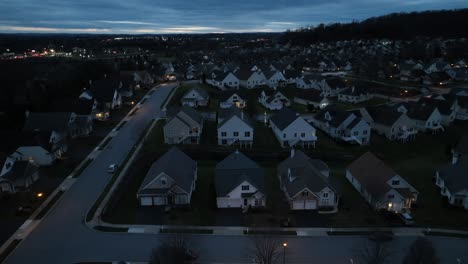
(112, 168)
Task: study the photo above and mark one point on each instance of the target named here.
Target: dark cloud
(157, 16)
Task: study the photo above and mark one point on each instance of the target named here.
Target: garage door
(146, 201)
(159, 200)
(305, 205)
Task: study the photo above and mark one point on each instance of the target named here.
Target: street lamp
(39, 195)
(284, 252)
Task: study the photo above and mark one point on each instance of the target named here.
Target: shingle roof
(455, 176)
(227, 94)
(58, 121)
(307, 173)
(338, 116)
(235, 169)
(284, 118)
(192, 113)
(384, 115)
(419, 111)
(177, 165)
(372, 173)
(312, 95)
(202, 92)
(227, 113)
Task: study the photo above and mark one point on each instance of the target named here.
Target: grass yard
(264, 137)
(155, 139)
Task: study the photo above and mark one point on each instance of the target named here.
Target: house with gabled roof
(235, 127)
(448, 107)
(224, 80)
(354, 95)
(195, 97)
(380, 185)
(250, 79)
(331, 87)
(274, 78)
(342, 125)
(239, 182)
(452, 179)
(388, 122)
(167, 182)
(273, 99)
(233, 98)
(106, 92)
(19, 177)
(306, 82)
(305, 182)
(311, 97)
(427, 117)
(184, 125)
(292, 130)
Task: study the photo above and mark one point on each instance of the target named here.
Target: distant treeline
(403, 26)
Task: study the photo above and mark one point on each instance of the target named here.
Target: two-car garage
(304, 204)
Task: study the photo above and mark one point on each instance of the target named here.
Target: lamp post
(284, 252)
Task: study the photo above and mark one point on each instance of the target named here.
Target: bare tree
(422, 251)
(174, 249)
(375, 252)
(266, 249)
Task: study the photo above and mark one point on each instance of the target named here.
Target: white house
(390, 123)
(305, 182)
(292, 130)
(380, 185)
(453, 183)
(18, 176)
(274, 78)
(343, 125)
(311, 97)
(239, 182)
(196, 96)
(273, 100)
(235, 128)
(427, 118)
(232, 98)
(224, 80)
(167, 182)
(354, 95)
(250, 79)
(305, 83)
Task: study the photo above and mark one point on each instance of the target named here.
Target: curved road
(63, 238)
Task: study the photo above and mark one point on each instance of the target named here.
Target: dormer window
(245, 187)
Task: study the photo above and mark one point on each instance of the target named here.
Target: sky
(194, 16)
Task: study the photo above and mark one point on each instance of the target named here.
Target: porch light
(390, 205)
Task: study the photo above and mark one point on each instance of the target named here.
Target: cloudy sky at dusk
(194, 16)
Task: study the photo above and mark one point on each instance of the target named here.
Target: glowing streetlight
(39, 195)
(284, 252)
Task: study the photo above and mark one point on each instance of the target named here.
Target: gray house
(184, 126)
(170, 180)
(19, 176)
(452, 179)
(196, 97)
(305, 182)
(239, 182)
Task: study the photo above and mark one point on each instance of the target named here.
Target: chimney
(292, 152)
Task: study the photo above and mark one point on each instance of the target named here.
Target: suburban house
(170, 180)
(128, 85)
(452, 179)
(447, 107)
(18, 176)
(41, 147)
(224, 80)
(380, 185)
(235, 127)
(106, 93)
(354, 95)
(239, 182)
(273, 100)
(292, 76)
(230, 98)
(389, 122)
(184, 125)
(342, 125)
(291, 129)
(250, 79)
(195, 97)
(305, 182)
(426, 117)
(307, 82)
(311, 97)
(331, 87)
(274, 78)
